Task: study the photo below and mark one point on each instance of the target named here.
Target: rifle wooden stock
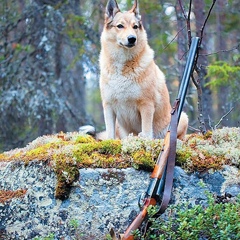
(128, 235)
(162, 158)
(156, 174)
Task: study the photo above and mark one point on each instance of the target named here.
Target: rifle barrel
(186, 74)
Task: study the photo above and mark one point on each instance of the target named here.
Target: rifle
(161, 179)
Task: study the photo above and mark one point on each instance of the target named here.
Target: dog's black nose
(131, 39)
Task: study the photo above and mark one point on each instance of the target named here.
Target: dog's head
(124, 26)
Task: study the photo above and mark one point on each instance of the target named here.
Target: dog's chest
(120, 89)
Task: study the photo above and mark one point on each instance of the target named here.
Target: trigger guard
(140, 201)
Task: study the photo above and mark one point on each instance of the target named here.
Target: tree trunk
(206, 103)
(181, 39)
(223, 91)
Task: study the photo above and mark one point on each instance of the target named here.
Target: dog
(134, 93)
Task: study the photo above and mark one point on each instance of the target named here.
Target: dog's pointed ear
(135, 9)
(111, 9)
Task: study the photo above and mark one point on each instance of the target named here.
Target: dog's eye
(120, 26)
(135, 27)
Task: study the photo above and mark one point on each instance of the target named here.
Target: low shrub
(214, 221)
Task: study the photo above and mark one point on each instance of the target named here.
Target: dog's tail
(90, 130)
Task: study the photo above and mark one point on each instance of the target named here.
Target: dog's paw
(146, 135)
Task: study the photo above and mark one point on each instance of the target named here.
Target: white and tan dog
(134, 93)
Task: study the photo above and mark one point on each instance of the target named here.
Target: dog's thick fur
(134, 93)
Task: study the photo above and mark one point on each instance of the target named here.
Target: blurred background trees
(49, 62)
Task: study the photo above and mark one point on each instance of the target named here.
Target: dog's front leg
(110, 121)
(147, 112)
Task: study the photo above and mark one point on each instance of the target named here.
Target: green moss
(84, 148)
(103, 161)
(85, 139)
(183, 155)
(97, 154)
(2, 156)
(83, 160)
(67, 173)
(82, 154)
(143, 160)
(112, 147)
(207, 135)
(205, 161)
(38, 153)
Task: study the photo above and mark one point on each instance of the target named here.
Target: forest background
(49, 66)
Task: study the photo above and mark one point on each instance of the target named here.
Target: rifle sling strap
(171, 159)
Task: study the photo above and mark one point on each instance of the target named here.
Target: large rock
(102, 198)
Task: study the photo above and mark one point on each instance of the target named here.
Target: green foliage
(150, 7)
(49, 237)
(74, 223)
(108, 237)
(216, 221)
(73, 30)
(76, 35)
(223, 74)
(94, 103)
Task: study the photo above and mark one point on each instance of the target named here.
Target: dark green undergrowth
(184, 222)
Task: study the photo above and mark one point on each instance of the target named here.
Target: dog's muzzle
(131, 41)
